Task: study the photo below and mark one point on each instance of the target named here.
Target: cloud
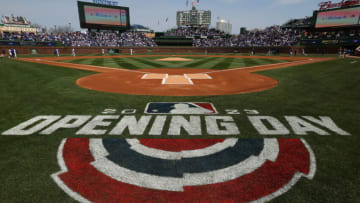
(290, 1)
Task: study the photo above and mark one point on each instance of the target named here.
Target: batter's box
(198, 76)
(154, 76)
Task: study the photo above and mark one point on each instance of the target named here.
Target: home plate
(174, 59)
(185, 79)
(177, 80)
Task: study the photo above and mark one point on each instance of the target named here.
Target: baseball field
(180, 128)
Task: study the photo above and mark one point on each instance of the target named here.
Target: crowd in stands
(190, 32)
(331, 34)
(270, 36)
(91, 39)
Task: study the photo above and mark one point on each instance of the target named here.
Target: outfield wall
(95, 50)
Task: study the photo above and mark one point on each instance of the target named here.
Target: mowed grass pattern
(216, 63)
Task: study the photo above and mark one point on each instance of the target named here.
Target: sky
(241, 13)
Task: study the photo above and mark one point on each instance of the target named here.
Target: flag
(193, 3)
(198, 2)
(167, 19)
(187, 3)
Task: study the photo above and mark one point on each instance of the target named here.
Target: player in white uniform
(73, 52)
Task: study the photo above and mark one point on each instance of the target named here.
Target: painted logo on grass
(162, 170)
(180, 108)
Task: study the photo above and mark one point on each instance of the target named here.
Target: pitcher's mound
(174, 59)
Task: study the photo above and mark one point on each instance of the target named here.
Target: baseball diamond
(232, 81)
(179, 102)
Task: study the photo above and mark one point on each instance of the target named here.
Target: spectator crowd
(273, 36)
(270, 36)
(91, 39)
(352, 33)
(190, 32)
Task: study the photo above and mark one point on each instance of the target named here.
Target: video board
(338, 18)
(105, 17)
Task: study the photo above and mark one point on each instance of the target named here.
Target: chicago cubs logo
(162, 170)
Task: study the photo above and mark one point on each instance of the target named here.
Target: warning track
(223, 82)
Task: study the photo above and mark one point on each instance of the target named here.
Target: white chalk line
(295, 179)
(259, 66)
(64, 169)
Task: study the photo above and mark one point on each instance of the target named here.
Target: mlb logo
(192, 108)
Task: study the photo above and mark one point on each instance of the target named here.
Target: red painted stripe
(177, 145)
(84, 179)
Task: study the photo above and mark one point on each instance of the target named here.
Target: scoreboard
(338, 17)
(104, 17)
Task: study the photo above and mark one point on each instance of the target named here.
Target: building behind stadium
(10, 24)
(224, 26)
(194, 18)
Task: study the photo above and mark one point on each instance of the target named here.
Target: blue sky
(241, 13)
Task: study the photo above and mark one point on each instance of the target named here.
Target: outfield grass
(328, 88)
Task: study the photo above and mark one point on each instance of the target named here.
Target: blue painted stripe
(121, 154)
